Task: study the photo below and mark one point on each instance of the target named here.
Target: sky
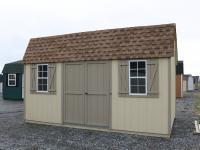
(24, 19)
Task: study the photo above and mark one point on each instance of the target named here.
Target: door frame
(109, 64)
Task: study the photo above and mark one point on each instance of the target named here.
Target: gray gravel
(15, 134)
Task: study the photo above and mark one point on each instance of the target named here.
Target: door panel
(87, 93)
(97, 97)
(97, 110)
(74, 93)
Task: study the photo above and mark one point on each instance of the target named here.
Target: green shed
(13, 74)
(1, 83)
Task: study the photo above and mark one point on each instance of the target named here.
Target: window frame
(39, 91)
(12, 79)
(129, 77)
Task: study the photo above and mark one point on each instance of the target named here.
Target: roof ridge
(104, 30)
(15, 62)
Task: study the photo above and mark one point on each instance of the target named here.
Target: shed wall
(146, 115)
(173, 89)
(1, 87)
(179, 85)
(137, 114)
(195, 83)
(184, 85)
(43, 107)
(12, 92)
(190, 83)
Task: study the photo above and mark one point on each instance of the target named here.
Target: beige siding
(145, 115)
(173, 89)
(43, 107)
(148, 115)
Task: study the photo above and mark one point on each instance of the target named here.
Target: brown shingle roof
(123, 43)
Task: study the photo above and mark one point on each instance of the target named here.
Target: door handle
(86, 93)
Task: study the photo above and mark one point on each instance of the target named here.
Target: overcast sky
(21, 20)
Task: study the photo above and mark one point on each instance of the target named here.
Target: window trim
(11, 79)
(39, 91)
(129, 78)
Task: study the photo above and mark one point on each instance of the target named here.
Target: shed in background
(13, 81)
(1, 83)
(196, 82)
(188, 83)
(185, 83)
(179, 79)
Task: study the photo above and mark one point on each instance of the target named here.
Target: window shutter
(123, 78)
(152, 77)
(52, 78)
(33, 77)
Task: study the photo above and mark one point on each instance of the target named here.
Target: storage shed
(188, 81)
(13, 88)
(196, 82)
(185, 83)
(120, 80)
(179, 79)
(1, 83)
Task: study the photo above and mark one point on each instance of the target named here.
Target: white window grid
(13, 79)
(136, 77)
(43, 91)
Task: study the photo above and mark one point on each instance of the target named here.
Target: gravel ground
(10, 106)
(15, 134)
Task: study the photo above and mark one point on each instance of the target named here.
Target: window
(137, 77)
(11, 79)
(42, 78)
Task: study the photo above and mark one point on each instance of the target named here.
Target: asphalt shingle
(122, 43)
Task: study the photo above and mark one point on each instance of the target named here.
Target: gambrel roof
(14, 67)
(111, 44)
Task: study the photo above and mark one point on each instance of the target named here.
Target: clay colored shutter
(33, 77)
(123, 78)
(152, 77)
(52, 78)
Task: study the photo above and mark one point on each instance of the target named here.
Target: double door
(87, 93)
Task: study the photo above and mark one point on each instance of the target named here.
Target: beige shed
(120, 80)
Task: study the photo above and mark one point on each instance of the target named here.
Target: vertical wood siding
(140, 114)
(179, 86)
(43, 107)
(173, 88)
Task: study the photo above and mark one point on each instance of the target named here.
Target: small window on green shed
(11, 79)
